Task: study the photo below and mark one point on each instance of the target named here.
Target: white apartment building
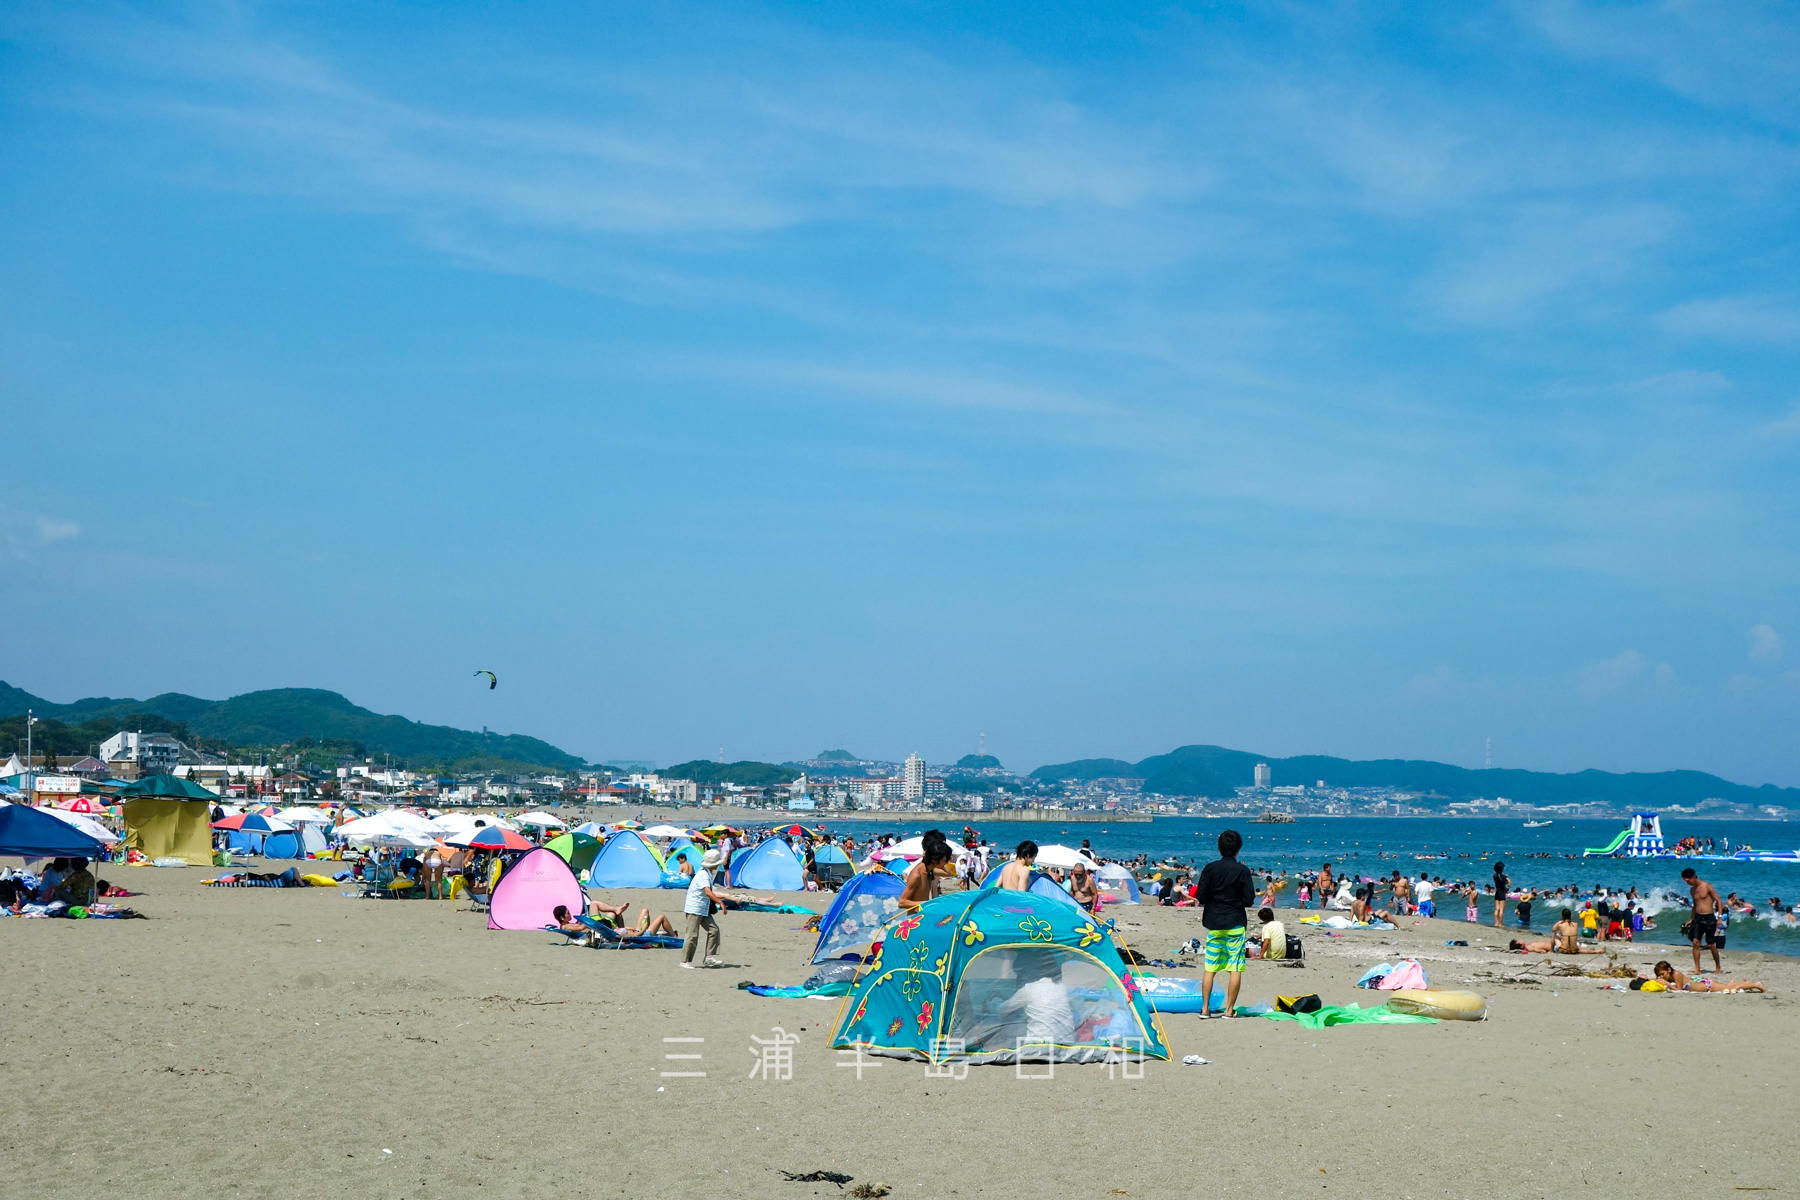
(154, 753)
(1264, 777)
(914, 779)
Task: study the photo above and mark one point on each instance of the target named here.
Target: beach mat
(1350, 1014)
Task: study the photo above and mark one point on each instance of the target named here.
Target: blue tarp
(625, 860)
(28, 833)
(769, 865)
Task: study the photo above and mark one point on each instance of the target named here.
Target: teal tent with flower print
(998, 977)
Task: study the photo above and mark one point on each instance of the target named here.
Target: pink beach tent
(531, 889)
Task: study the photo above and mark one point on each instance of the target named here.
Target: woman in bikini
(1675, 981)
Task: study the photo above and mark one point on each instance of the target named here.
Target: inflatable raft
(1446, 1006)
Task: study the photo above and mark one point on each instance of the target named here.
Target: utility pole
(29, 722)
(1490, 754)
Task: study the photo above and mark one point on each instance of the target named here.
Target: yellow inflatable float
(1446, 1006)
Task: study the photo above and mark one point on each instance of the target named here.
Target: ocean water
(1375, 846)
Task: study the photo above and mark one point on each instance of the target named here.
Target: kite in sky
(493, 679)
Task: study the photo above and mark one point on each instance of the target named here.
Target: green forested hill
(282, 715)
(1216, 771)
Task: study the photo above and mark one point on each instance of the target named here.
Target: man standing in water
(1704, 925)
(1224, 894)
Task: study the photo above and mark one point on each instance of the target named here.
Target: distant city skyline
(1297, 380)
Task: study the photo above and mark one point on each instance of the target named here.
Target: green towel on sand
(1351, 1014)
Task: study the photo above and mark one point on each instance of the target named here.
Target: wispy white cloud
(49, 530)
(1621, 673)
(1770, 319)
(1765, 644)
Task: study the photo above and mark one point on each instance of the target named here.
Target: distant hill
(1215, 771)
(978, 762)
(282, 715)
(843, 756)
(749, 774)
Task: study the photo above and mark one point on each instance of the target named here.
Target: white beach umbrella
(87, 825)
(395, 828)
(541, 820)
(303, 815)
(914, 848)
(1064, 856)
(461, 824)
(667, 831)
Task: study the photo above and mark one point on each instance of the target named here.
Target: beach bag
(1295, 947)
(1298, 1004)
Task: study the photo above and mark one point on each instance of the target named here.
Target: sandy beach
(252, 1042)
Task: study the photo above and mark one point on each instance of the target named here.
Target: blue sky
(1366, 380)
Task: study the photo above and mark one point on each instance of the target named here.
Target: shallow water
(1368, 846)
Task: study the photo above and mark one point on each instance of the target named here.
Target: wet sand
(259, 1042)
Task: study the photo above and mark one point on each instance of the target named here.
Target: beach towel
(1406, 974)
(754, 906)
(1334, 1014)
(1374, 975)
(839, 988)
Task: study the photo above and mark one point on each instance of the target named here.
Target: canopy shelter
(998, 977)
(33, 833)
(626, 860)
(863, 905)
(527, 893)
(169, 817)
(1117, 885)
(769, 866)
(172, 787)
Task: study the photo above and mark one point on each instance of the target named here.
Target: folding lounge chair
(606, 935)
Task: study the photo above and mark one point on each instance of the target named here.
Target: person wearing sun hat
(702, 903)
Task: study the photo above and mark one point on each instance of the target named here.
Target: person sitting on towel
(1274, 934)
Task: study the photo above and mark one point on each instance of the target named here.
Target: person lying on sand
(1675, 981)
(733, 900)
(1550, 948)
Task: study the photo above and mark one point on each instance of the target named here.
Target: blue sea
(1375, 846)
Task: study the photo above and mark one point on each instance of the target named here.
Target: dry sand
(252, 1042)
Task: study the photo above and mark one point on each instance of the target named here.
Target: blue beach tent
(626, 860)
(686, 852)
(1041, 884)
(864, 904)
(769, 866)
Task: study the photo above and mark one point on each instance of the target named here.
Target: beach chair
(832, 876)
(376, 877)
(605, 935)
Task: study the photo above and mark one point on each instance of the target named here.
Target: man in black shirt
(1501, 884)
(1224, 894)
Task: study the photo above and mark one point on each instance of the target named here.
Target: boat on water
(1272, 816)
(1536, 824)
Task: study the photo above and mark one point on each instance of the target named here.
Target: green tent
(576, 849)
(171, 787)
(996, 977)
